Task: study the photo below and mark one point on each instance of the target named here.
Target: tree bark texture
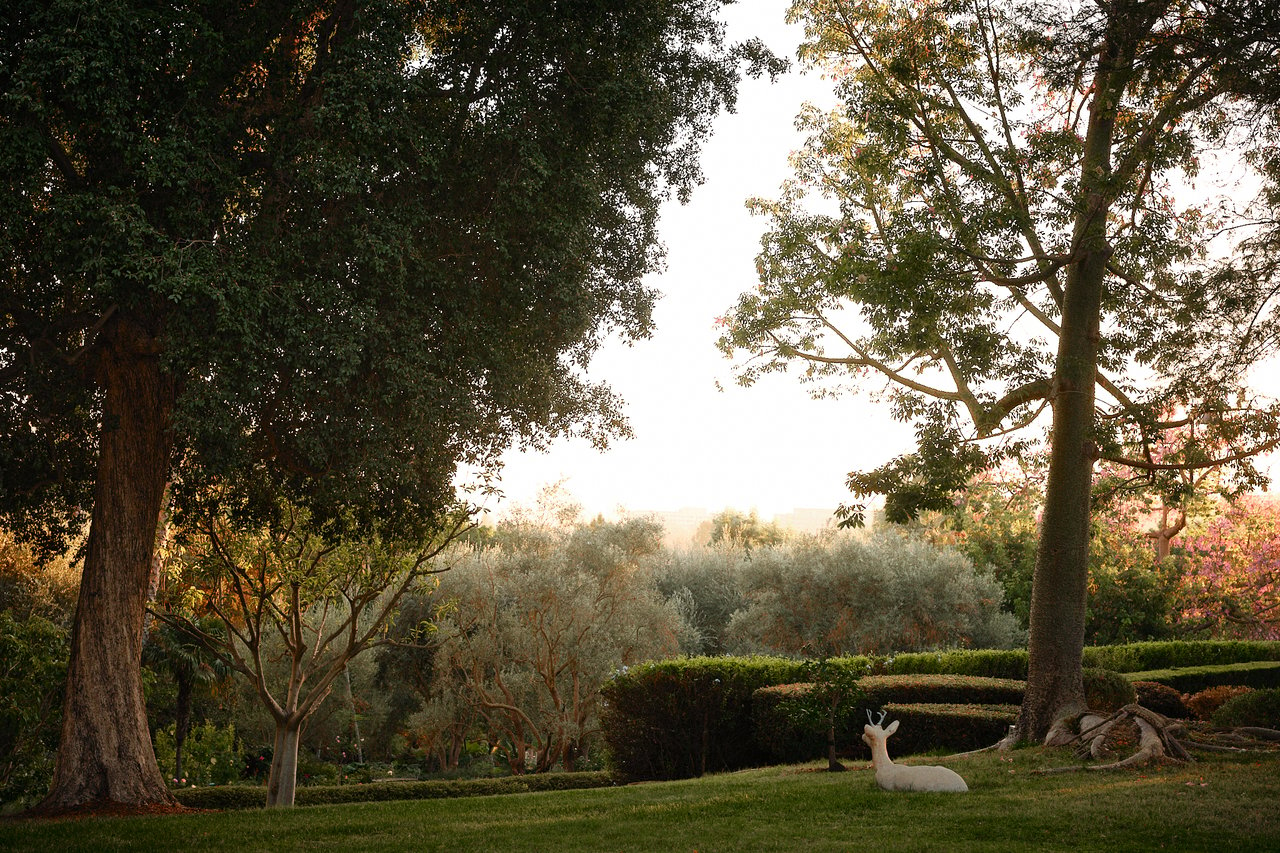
(1055, 686)
(106, 754)
(283, 780)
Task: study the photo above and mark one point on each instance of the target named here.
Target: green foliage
(33, 666)
(685, 717)
(955, 728)
(942, 690)
(990, 663)
(1105, 690)
(1258, 708)
(1190, 679)
(735, 530)
(706, 585)
(531, 629)
(1136, 657)
(30, 586)
(166, 166)
(211, 755)
(939, 217)
(1162, 699)
(1131, 596)
(845, 594)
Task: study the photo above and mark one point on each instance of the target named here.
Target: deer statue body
(901, 777)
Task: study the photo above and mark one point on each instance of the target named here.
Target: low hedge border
(1193, 679)
(987, 663)
(1177, 654)
(246, 797)
(942, 689)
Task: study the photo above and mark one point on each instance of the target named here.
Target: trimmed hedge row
(986, 663)
(685, 717)
(1192, 679)
(784, 740)
(942, 690)
(1128, 657)
(1173, 654)
(246, 797)
(678, 718)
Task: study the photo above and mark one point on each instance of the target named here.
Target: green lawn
(1217, 805)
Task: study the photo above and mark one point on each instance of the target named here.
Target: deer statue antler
(878, 722)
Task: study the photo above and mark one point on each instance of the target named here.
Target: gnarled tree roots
(1158, 738)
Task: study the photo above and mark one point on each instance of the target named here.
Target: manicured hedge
(246, 797)
(683, 717)
(954, 728)
(989, 663)
(1192, 679)
(942, 689)
(784, 740)
(1171, 654)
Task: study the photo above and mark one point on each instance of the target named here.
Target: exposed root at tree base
(1158, 739)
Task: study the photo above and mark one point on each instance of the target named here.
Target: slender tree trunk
(1055, 686)
(181, 722)
(106, 754)
(283, 781)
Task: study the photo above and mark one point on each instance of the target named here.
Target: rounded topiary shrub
(1258, 708)
(1105, 690)
(1162, 699)
(1204, 704)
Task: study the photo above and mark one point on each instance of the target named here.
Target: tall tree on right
(987, 225)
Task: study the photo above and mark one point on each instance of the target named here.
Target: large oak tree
(322, 251)
(1002, 218)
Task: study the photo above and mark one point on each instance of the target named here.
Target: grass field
(1214, 805)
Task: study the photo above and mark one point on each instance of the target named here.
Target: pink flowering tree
(1231, 572)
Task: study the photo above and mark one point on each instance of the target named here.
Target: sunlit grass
(1219, 805)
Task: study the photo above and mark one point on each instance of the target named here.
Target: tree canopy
(1011, 211)
(924, 244)
(323, 252)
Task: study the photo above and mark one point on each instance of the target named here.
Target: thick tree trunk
(1055, 686)
(106, 754)
(283, 781)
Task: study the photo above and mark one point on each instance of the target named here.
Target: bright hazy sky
(769, 447)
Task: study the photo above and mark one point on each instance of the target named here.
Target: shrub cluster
(1105, 690)
(1202, 705)
(1162, 699)
(682, 718)
(1257, 708)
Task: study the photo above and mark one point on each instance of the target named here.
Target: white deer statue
(901, 777)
